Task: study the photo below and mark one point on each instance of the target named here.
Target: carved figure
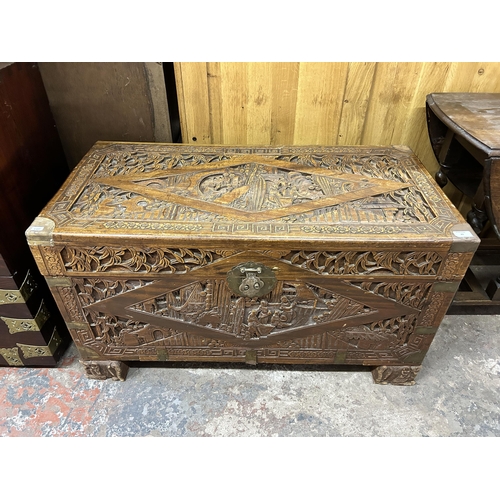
(283, 315)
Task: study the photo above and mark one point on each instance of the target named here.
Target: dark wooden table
(464, 129)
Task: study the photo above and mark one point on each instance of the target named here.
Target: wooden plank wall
(321, 103)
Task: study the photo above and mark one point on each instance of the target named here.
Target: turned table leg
(395, 375)
(102, 370)
(441, 178)
(477, 218)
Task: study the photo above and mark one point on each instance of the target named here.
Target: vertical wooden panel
(407, 79)
(194, 103)
(214, 103)
(432, 75)
(319, 102)
(355, 103)
(285, 78)
(375, 128)
(260, 95)
(182, 97)
(234, 87)
(393, 88)
(414, 131)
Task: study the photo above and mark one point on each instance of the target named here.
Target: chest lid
(241, 196)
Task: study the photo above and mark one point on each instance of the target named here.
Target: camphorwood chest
(345, 255)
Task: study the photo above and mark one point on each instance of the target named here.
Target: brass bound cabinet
(345, 255)
(32, 168)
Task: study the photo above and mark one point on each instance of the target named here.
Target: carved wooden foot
(102, 370)
(395, 375)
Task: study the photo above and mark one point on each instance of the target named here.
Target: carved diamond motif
(248, 189)
(210, 303)
(201, 303)
(256, 187)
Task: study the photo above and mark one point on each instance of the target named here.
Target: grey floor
(457, 394)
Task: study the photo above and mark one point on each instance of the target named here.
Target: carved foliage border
(137, 260)
(104, 259)
(60, 261)
(364, 263)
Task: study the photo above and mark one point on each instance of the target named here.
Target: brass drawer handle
(251, 279)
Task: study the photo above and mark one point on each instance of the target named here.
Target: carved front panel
(289, 307)
(195, 315)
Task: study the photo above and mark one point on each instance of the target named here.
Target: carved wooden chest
(346, 255)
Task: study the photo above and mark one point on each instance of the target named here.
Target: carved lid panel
(235, 194)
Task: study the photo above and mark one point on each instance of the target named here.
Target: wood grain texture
(235, 112)
(322, 103)
(318, 108)
(355, 104)
(194, 103)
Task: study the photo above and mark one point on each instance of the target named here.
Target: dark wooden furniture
(32, 168)
(464, 130)
(314, 255)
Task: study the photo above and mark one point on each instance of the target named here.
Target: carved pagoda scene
(297, 319)
(289, 306)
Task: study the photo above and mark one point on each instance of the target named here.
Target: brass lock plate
(251, 279)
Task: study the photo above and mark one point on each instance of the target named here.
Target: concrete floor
(457, 394)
